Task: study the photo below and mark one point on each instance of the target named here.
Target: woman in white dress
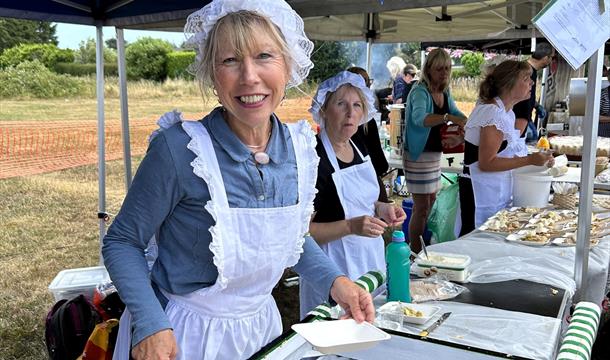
(492, 141)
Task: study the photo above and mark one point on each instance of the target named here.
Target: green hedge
(33, 79)
(178, 62)
(147, 59)
(47, 54)
(472, 62)
(77, 69)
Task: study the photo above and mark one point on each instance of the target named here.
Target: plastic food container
(394, 311)
(453, 266)
(72, 282)
(332, 337)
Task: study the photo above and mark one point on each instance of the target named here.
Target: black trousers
(466, 205)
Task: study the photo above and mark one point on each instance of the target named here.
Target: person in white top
(492, 141)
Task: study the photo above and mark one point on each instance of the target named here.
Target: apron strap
(332, 157)
(201, 144)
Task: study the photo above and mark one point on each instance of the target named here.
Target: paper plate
(393, 310)
(518, 238)
(332, 337)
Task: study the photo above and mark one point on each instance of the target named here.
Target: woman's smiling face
(251, 85)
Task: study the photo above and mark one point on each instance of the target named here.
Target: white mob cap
(200, 23)
(331, 85)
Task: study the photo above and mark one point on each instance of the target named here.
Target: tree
(411, 53)
(14, 32)
(328, 59)
(111, 43)
(147, 59)
(86, 53)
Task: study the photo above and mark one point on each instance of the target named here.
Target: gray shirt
(166, 198)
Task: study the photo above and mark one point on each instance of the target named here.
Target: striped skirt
(423, 176)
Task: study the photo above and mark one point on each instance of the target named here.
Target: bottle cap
(398, 236)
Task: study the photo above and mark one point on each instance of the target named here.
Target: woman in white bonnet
(350, 215)
(229, 199)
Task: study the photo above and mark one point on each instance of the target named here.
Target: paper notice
(575, 28)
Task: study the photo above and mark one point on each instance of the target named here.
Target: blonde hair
(502, 78)
(240, 29)
(436, 57)
(331, 95)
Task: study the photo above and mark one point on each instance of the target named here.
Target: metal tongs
(423, 246)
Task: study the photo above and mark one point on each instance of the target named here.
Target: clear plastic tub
(73, 282)
(452, 266)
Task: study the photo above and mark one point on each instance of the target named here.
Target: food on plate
(532, 235)
(411, 312)
(509, 220)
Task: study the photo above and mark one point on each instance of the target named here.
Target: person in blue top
(229, 199)
(429, 106)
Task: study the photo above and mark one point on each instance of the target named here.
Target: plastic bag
(441, 221)
(434, 288)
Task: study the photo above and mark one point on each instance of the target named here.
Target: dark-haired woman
(492, 141)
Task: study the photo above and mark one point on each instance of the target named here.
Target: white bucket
(531, 188)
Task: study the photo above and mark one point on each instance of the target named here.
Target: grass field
(48, 222)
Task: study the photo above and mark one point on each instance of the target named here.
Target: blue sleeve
(453, 109)
(418, 102)
(398, 89)
(315, 267)
(153, 194)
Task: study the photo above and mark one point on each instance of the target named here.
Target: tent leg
(369, 50)
(101, 157)
(589, 150)
(124, 108)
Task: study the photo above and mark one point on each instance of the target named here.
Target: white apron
(236, 316)
(493, 190)
(358, 190)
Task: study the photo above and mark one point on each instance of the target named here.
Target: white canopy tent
(367, 20)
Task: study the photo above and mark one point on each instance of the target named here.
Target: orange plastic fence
(34, 147)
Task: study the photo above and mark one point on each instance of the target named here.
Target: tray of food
(509, 220)
(400, 312)
(558, 227)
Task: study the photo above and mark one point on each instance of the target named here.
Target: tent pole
(124, 108)
(369, 48)
(101, 152)
(589, 150)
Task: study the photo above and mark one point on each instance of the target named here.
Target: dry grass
(48, 223)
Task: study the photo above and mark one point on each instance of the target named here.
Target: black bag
(68, 325)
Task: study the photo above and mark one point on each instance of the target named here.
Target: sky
(70, 35)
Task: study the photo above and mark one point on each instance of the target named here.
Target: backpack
(68, 326)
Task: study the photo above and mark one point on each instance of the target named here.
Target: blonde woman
(230, 198)
(429, 106)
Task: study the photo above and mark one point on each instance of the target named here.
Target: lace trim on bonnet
(200, 23)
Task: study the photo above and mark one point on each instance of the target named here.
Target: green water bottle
(398, 264)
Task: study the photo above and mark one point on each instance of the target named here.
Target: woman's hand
(366, 226)
(540, 158)
(394, 215)
(356, 301)
(158, 346)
